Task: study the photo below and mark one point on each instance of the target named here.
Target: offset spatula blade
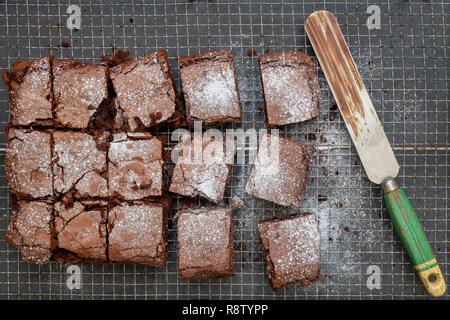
(351, 96)
(371, 142)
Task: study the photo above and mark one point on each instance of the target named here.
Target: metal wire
(404, 66)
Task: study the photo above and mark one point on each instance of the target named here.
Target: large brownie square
(291, 248)
(205, 243)
(138, 234)
(79, 165)
(30, 230)
(146, 95)
(81, 231)
(30, 92)
(207, 176)
(79, 91)
(28, 163)
(210, 87)
(135, 167)
(290, 86)
(280, 174)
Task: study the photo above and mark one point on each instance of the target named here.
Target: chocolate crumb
(339, 205)
(131, 20)
(321, 198)
(251, 53)
(65, 44)
(346, 229)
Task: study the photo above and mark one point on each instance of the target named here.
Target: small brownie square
(80, 231)
(79, 165)
(205, 177)
(291, 248)
(146, 95)
(30, 230)
(79, 91)
(137, 233)
(210, 87)
(281, 179)
(30, 92)
(28, 163)
(135, 168)
(290, 86)
(205, 243)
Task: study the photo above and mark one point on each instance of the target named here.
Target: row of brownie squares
(140, 94)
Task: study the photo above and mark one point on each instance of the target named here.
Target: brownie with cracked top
(135, 169)
(280, 171)
(78, 165)
(205, 176)
(30, 92)
(79, 91)
(80, 231)
(291, 249)
(290, 87)
(28, 163)
(30, 230)
(210, 87)
(146, 95)
(205, 243)
(137, 233)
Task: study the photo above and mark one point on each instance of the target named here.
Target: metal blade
(351, 96)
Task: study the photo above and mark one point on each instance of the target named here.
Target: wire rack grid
(404, 66)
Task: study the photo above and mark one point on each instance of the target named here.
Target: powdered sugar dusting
(204, 237)
(293, 244)
(210, 90)
(289, 89)
(28, 163)
(75, 154)
(135, 227)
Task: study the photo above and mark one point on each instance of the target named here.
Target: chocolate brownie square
(30, 230)
(146, 95)
(280, 171)
(207, 176)
(79, 90)
(28, 163)
(81, 231)
(205, 243)
(79, 165)
(137, 233)
(30, 92)
(135, 167)
(210, 87)
(291, 249)
(290, 86)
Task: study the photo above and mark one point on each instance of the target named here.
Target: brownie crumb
(339, 205)
(346, 229)
(321, 198)
(65, 44)
(311, 136)
(251, 53)
(131, 20)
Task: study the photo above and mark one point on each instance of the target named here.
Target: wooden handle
(415, 242)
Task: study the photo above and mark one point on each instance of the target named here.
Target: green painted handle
(415, 241)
